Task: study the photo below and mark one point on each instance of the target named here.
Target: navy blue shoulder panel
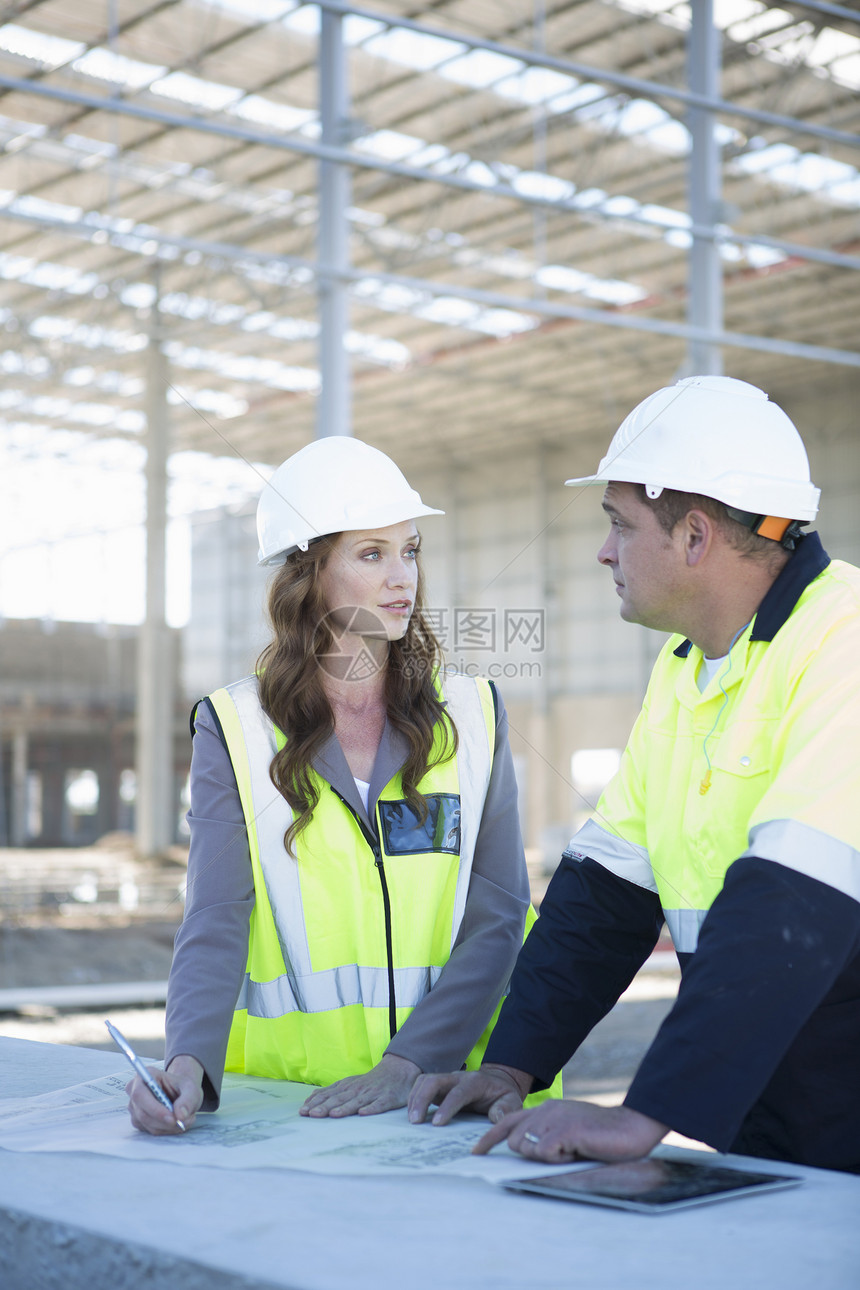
(211, 706)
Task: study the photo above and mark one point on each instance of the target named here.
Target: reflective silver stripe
(475, 754)
(684, 925)
(273, 817)
(624, 859)
(335, 988)
(808, 850)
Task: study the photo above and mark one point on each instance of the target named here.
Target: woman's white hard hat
(718, 437)
(332, 484)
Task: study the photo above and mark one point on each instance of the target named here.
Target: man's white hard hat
(716, 436)
(331, 485)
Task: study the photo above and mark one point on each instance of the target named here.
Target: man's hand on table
(558, 1131)
(495, 1090)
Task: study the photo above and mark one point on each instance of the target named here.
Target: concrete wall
(829, 419)
(519, 548)
(226, 628)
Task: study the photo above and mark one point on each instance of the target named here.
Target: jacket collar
(807, 561)
(331, 765)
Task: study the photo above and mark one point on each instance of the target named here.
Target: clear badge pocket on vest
(403, 833)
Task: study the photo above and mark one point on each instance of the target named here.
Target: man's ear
(698, 532)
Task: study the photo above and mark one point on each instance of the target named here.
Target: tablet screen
(653, 1185)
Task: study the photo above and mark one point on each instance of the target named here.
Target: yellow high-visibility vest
(351, 933)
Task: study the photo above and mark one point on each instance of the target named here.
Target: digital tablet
(653, 1185)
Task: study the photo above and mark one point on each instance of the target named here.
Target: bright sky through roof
(71, 515)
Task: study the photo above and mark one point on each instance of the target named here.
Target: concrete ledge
(83, 996)
(55, 1256)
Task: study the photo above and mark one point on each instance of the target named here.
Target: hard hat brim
(274, 558)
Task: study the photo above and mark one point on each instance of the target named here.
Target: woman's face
(370, 579)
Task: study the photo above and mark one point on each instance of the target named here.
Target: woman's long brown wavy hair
(293, 696)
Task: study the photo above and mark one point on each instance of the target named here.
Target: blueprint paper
(257, 1127)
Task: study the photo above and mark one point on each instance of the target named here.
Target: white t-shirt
(709, 669)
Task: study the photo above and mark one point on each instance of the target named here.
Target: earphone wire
(705, 783)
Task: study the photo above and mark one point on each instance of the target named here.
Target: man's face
(646, 562)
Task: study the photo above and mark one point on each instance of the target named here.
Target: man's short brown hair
(671, 507)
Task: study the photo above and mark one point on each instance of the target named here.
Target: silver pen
(155, 1089)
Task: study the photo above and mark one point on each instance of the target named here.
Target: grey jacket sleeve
(211, 947)
(442, 1030)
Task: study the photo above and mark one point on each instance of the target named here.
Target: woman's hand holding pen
(183, 1083)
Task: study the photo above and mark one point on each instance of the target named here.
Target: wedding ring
(532, 1137)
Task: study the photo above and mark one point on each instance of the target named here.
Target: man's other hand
(496, 1090)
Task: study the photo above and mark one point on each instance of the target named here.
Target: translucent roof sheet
(574, 205)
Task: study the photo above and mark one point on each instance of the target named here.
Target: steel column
(155, 670)
(334, 412)
(19, 789)
(539, 784)
(705, 303)
(4, 815)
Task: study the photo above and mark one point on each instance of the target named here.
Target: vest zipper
(389, 949)
(386, 905)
